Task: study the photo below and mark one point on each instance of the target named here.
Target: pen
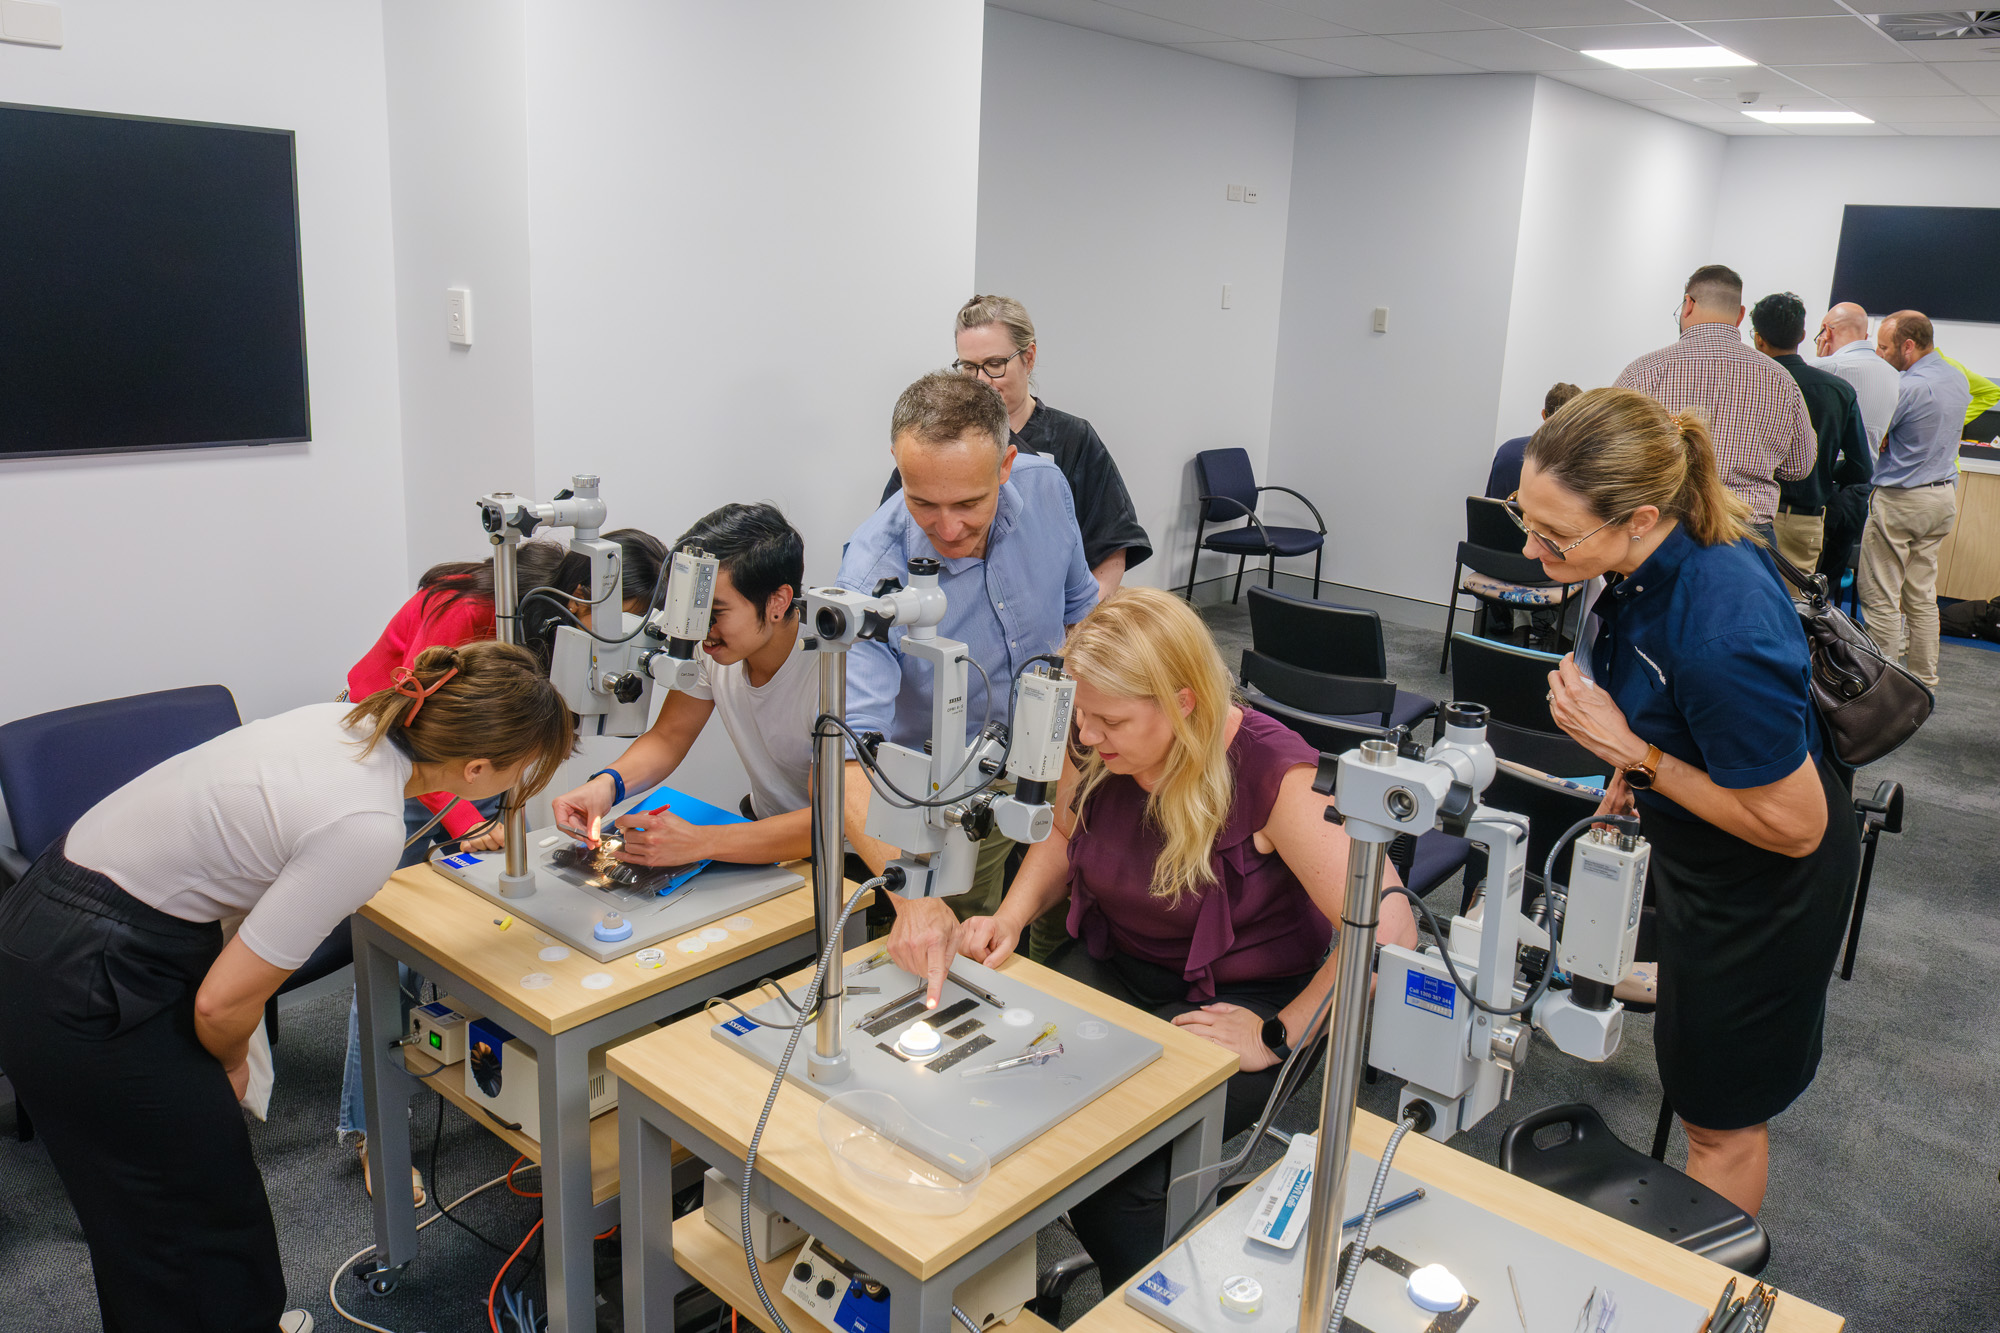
(1714, 1324)
(1519, 1309)
(1404, 1202)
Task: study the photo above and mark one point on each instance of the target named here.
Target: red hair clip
(404, 681)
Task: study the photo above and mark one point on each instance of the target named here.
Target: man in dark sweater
(1777, 327)
(1504, 478)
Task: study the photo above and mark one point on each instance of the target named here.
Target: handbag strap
(1813, 585)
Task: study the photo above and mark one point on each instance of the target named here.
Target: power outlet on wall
(30, 23)
(1234, 194)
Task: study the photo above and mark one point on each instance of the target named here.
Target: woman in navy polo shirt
(1695, 693)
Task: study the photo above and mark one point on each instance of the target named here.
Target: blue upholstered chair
(1229, 491)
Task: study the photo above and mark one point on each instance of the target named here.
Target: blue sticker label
(1295, 1196)
(1161, 1288)
(1431, 994)
(461, 861)
(739, 1026)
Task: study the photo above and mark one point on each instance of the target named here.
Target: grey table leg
(916, 1306)
(1199, 1145)
(563, 1072)
(645, 1213)
(386, 1091)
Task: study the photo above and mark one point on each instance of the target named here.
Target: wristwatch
(1274, 1037)
(1640, 776)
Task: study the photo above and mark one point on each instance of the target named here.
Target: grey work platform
(425, 922)
(1175, 1101)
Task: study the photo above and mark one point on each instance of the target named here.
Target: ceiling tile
(1808, 41)
(1742, 128)
(1744, 9)
(1691, 108)
(1392, 16)
(1556, 13)
(1619, 36)
(1101, 17)
(1785, 102)
(1613, 83)
(1712, 83)
(1375, 55)
(1256, 55)
(1950, 128)
(1983, 80)
(1975, 49)
(1252, 20)
(1500, 49)
(1921, 108)
(1908, 80)
(1841, 131)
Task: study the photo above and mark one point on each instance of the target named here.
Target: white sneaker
(295, 1321)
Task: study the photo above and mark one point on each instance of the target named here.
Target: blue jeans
(353, 1109)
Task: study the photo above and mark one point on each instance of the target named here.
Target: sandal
(417, 1192)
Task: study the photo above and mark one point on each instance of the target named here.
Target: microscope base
(1182, 1288)
(997, 1112)
(568, 910)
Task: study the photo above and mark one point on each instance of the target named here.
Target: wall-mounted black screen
(150, 293)
(1942, 261)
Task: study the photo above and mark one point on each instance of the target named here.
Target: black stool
(1593, 1167)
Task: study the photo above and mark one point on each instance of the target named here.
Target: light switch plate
(1381, 319)
(458, 315)
(31, 23)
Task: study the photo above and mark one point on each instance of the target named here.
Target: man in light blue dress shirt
(1915, 500)
(1014, 578)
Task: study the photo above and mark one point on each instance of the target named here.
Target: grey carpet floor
(1883, 1192)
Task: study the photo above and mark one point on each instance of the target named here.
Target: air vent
(1941, 25)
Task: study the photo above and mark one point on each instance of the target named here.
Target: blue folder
(694, 811)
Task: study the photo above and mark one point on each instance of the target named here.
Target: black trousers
(1123, 1224)
(97, 1033)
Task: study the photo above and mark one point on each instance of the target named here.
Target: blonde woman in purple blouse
(1202, 877)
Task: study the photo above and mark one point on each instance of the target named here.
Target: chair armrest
(1248, 513)
(1884, 808)
(13, 866)
(1302, 500)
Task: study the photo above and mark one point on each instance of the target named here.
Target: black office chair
(1337, 641)
(1512, 682)
(1229, 491)
(1879, 814)
(1552, 752)
(1592, 1166)
(1500, 575)
(1425, 861)
(1550, 809)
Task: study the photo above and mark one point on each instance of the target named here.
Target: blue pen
(1404, 1202)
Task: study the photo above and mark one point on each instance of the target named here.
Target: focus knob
(800, 1272)
(825, 1289)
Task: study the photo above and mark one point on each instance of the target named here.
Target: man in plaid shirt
(1755, 412)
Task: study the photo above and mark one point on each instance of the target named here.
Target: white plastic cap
(920, 1038)
(1242, 1294)
(1432, 1287)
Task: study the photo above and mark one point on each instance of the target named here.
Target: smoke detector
(1940, 25)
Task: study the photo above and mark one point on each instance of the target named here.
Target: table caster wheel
(377, 1277)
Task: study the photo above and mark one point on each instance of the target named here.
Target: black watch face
(1274, 1033)
(1638, 779)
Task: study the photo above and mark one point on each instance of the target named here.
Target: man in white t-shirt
(765, 689)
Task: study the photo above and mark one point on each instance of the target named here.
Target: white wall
(1618, 207)
(1103, 166)
(458, 157)
(1778, 219)
(1406, 193)
(267, 570)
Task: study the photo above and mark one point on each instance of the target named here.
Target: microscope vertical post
(1354, 955)
(517, 880)
(827, 1061)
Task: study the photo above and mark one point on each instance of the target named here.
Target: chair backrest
(1493, 544)
(55, 766)
(1326, 734)
(1512, 682)
(1226, 472)
(1552, 752)
(1549, 809)
(1318, 691)
(1339, 640)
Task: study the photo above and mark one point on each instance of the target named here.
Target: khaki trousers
(1899, 568)
(1800, 537)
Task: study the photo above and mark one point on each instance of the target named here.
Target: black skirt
(1747, 944)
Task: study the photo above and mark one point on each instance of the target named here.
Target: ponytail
(484, 700)
(1711, 512)
(1619, 450)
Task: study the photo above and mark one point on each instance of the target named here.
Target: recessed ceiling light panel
(1671, 57)
(1810, 117)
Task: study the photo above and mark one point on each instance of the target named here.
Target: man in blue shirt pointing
(1014, 577)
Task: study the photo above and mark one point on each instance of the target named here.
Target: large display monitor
(1941, 261)
(150, 285)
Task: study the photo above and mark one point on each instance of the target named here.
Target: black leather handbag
(1870, 705)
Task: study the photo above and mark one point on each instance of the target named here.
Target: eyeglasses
(1513, 505)
(993, 368)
